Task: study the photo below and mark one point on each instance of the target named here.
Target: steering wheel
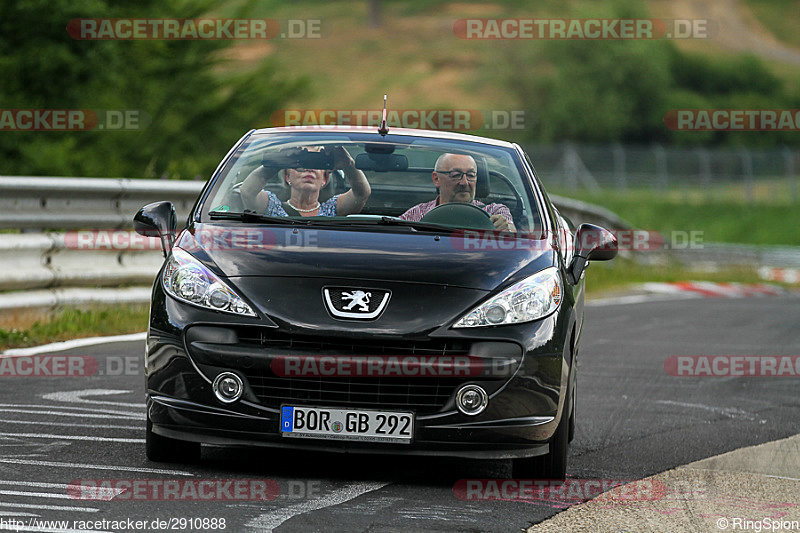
(459, 215)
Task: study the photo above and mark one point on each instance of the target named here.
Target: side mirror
(157, 220)
(591, 242)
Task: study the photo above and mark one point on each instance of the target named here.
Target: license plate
(347, 424)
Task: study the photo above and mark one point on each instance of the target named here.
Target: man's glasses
(456, 175)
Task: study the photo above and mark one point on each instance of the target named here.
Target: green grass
(763, 223)
(76, 323)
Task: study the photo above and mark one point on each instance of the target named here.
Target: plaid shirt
(419, 210)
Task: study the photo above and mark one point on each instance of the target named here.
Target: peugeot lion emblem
(355, 303)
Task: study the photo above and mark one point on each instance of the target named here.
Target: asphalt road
(634, 420)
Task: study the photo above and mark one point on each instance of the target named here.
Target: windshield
(338, 178)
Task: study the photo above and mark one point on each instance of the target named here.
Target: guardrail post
(747, 172)
(570, 167)
(661, 166)
(788, 159)
(619, 166)
(704, 161)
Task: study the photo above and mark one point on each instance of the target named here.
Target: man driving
(456, 176)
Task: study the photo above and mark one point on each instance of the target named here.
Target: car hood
(468, 260)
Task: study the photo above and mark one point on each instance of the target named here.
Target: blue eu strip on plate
(287, 414)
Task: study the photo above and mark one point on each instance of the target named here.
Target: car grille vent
(420, 394)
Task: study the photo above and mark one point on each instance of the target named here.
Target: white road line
(738, 472)
(730, 412)
(75, 343)
(39, 484)
(661, 287)
(67, 424)
(641, 298)
(65, 407)
(273, 519)
(121, 416)
(69, 437)
(49, 507)
(103, 494)
(58, 495)
(95, 467)
(78, 396)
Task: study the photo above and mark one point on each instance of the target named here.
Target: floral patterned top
(275, 207)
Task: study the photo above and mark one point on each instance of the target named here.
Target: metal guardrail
(43, 260)
(46, 269)
(109, 203)
(581, 212)
(68, 203)
(711, 254)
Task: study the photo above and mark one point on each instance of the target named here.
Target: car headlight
(188, 280)
(533, 298)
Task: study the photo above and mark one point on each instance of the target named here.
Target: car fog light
(471, 399)
(228, 387)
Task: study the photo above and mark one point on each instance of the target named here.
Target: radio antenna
(383, 129)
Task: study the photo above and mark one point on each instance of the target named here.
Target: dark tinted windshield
(323, 174)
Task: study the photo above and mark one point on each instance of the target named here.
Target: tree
(193, 110)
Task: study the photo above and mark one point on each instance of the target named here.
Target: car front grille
(421, 394)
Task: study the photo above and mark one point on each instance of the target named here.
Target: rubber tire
(165, 450)
(572, 421)
(552, 465)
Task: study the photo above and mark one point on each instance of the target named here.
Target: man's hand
(501, 224)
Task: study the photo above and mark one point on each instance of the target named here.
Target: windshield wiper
(252, 216)
(425, 226)
(249, 215)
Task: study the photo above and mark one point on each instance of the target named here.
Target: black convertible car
(345, 289)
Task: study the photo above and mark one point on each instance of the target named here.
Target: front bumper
(524, 409)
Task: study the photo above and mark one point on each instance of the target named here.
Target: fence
(743, 174)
